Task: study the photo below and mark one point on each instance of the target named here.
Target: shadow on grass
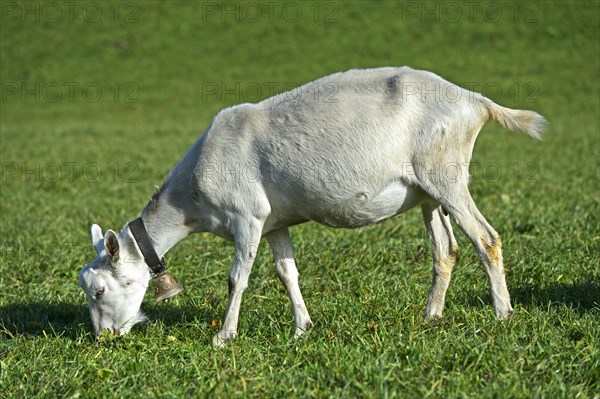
(43, 319)
(583, 297)
(68, 320)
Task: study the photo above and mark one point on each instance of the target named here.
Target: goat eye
(129, 283)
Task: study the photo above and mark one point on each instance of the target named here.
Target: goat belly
(366, 207)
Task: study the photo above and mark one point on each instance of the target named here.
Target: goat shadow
(72, 321)
(582, 297)
(69, 320)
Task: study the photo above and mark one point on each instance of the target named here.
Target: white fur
(348, 150)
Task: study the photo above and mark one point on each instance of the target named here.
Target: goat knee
(286, 271)
(493, 248)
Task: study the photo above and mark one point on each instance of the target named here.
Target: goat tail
(528, 122)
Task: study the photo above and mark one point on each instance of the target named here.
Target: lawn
(100, 100)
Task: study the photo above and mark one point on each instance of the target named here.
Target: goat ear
(97, 238)
(111, 244)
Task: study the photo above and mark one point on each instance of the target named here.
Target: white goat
(351, 149)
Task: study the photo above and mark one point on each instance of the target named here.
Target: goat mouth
(121, 330)
(107, 332)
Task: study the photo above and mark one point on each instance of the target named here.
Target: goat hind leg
(444, 252)
(488, 245)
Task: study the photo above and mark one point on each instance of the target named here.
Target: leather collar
(141, 237)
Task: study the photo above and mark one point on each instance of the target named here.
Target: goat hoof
(432, 317)
(504, 313)
(300, 331)
(220, 339)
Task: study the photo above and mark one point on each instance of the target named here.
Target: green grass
(69, 163)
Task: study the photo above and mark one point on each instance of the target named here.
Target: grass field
(100, 100)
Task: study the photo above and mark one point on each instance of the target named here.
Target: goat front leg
(246, 246)
(283, 252)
